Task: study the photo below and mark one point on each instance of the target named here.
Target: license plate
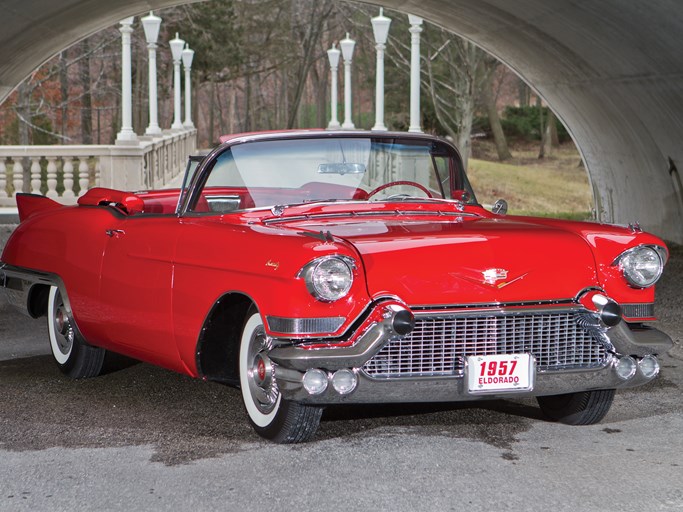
(500, 373)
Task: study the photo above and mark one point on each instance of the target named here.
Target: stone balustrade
(64, 173)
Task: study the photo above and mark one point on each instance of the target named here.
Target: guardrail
(66, 172)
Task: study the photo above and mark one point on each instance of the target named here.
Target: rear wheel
(74, 357)
(584, 408)
(271, 416)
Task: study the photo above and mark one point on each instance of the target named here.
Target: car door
(136, 288)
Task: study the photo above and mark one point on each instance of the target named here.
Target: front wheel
(73, 356)
(583, 408)
(271, 416)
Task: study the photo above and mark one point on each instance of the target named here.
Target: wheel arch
(217, 354)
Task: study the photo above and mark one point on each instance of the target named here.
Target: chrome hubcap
(261, 373)
(64, 333)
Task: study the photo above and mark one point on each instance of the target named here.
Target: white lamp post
(151, 25)
(126, 135)
(380, 29)
(415, 29)
(188, 55)
(333, 56)
(347, 46)
(177, 46)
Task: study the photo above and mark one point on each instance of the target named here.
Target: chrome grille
(439, 345)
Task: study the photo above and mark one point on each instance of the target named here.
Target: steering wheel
(395, 183)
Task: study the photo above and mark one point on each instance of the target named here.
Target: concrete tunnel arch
(611, 70)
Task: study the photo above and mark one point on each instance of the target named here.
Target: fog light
(649, 366)
(315, 381)
(344, 381)
(626, 367)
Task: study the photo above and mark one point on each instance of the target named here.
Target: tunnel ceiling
(611, 70)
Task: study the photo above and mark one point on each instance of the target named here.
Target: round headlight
(642, 266)
(328, 278)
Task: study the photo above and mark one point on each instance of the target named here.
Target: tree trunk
(494, 120)
(233, 108)
(64, 90)
(212, 109)
(552, 125)
(140, 106)
(247, 100)
(464, 140)
(23, 109)
(539, 105)
(86, 102)
(523, 92)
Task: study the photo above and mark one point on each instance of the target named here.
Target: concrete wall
(611, 70)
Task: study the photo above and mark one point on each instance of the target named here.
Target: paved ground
(142, 438)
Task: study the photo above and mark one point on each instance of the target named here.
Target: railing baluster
(35, 175)
(51, 177)
(68, 168)
(83, 174)
(98, 170)
(17, 176)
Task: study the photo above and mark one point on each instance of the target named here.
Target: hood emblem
(492, 275)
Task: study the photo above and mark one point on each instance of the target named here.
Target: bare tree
(490, 97)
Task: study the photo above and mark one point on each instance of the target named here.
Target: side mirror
(500, 207)
(461, 195)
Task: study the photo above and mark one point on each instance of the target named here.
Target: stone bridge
(611, 70)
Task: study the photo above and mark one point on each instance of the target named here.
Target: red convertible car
(315, 268)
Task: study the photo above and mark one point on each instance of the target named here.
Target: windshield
(292, 171)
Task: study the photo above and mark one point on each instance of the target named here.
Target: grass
(556, 186)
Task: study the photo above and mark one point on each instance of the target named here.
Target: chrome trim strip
(384, 213)
(492, 306)
(499, 310)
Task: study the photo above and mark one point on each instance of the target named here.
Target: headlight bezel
(310, 273)
(629, 261)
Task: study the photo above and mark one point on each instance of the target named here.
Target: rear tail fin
(30, 204)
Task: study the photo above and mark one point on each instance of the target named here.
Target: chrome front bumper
(292, 361)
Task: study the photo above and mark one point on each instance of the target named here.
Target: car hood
(468, 260)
